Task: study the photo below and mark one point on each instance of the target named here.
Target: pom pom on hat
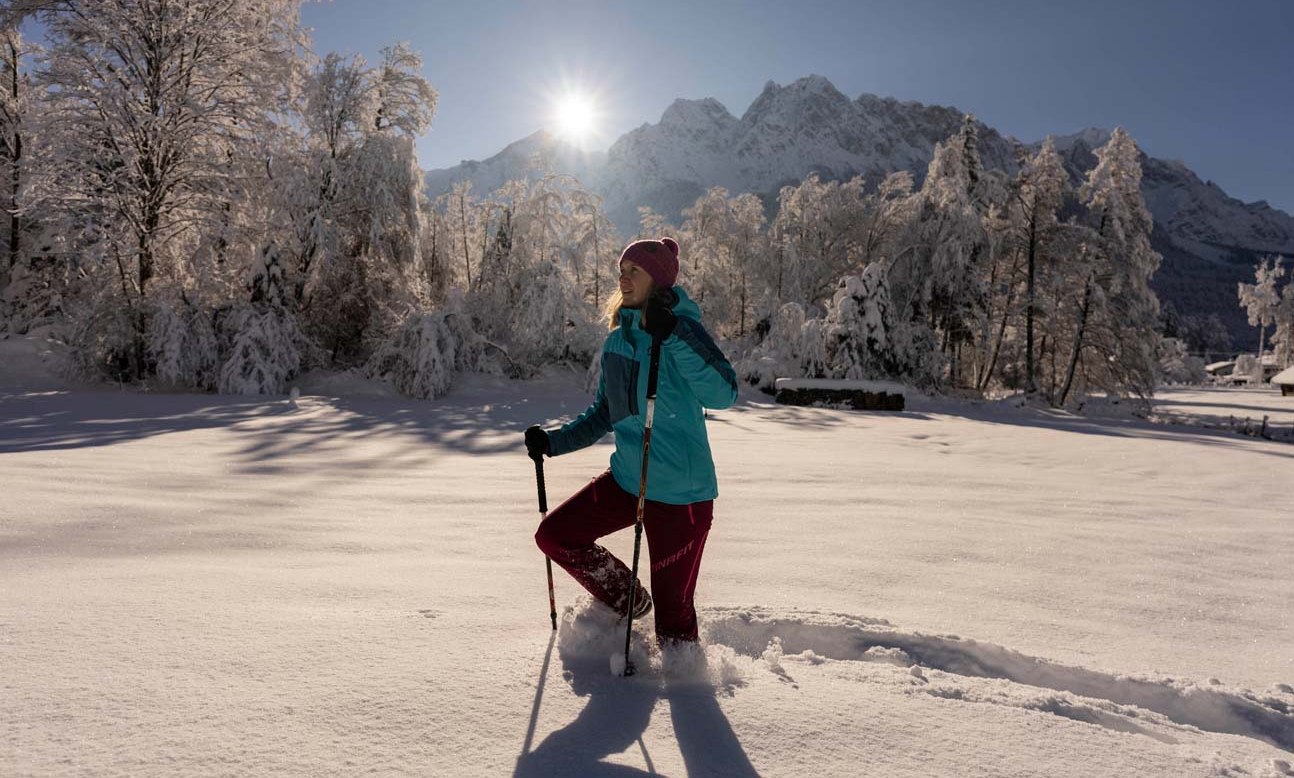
(658, 257)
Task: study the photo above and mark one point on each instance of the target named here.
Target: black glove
(536, 442)
(659, 320)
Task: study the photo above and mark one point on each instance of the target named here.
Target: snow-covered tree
(593, 242)
(1177, 366)
(1040, 191)
(268, 349)
(1283, 340)
(1262, 299)
(267, 277)
(360, 266)
(183, 343)
(533, 248)
(552, 321)
(739, 252)
(652, 224)
(707, 227)
(1205, 334)
(149, 99)
(16, 105)
(402, 97)
(885, 214)
(822, 223)
(465, 234)
(865, 340)
(944, 284)
(1116, 337)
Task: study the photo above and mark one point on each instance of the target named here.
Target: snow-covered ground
(206, 585)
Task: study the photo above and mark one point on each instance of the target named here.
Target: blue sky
(1209, 82)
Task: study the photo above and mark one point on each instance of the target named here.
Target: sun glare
(575, 117)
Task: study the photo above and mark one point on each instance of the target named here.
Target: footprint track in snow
(1102, 699)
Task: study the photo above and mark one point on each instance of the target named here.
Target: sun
(575, 117)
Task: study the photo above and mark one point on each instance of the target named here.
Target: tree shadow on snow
(1131, 428)
(48, 421)
(485, 421)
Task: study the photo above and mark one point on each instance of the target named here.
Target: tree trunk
(1030, 384)
(15, 175)
(997, 345)
(15, 183)
(597, 266)
(741, 329)
(1258, 368)
(467, 257)
(1078, 342)
(981, 352)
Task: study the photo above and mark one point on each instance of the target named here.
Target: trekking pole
(543, 514)
(642, 496)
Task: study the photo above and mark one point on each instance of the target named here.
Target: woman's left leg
(675, 540)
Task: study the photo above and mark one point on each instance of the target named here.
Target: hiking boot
(642, 604)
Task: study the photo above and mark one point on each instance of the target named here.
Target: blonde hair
(612, 309)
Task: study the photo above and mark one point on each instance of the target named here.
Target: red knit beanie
(658, 257)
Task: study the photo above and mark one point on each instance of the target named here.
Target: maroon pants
(675, 539)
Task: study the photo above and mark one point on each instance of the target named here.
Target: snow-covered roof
(1219, 365)
(1285, 376)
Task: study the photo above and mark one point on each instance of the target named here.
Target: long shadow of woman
(617, 714)
(705, 737)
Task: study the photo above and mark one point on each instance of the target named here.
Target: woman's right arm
(585, 430)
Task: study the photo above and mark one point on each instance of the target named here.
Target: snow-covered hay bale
(858, 395)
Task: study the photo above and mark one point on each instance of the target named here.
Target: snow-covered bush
(859, 327)
(1248, 366)
(267, 351)
(422, 354)
(863, 340)
(551, 322)
(182, 344)
(419, 358)
(1177, 366)
(103, 340)
(793, 348)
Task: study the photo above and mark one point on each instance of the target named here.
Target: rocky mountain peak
(707, 113)
(813, 93)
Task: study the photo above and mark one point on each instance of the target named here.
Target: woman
(681, 487)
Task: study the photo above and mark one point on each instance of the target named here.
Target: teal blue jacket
(694, 374)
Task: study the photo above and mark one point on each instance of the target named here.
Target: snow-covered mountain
(1209, 239)
(538, 151)
(785, 134)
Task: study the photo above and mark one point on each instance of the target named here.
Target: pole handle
(653, 370)
(543, 514)
(539, 480)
